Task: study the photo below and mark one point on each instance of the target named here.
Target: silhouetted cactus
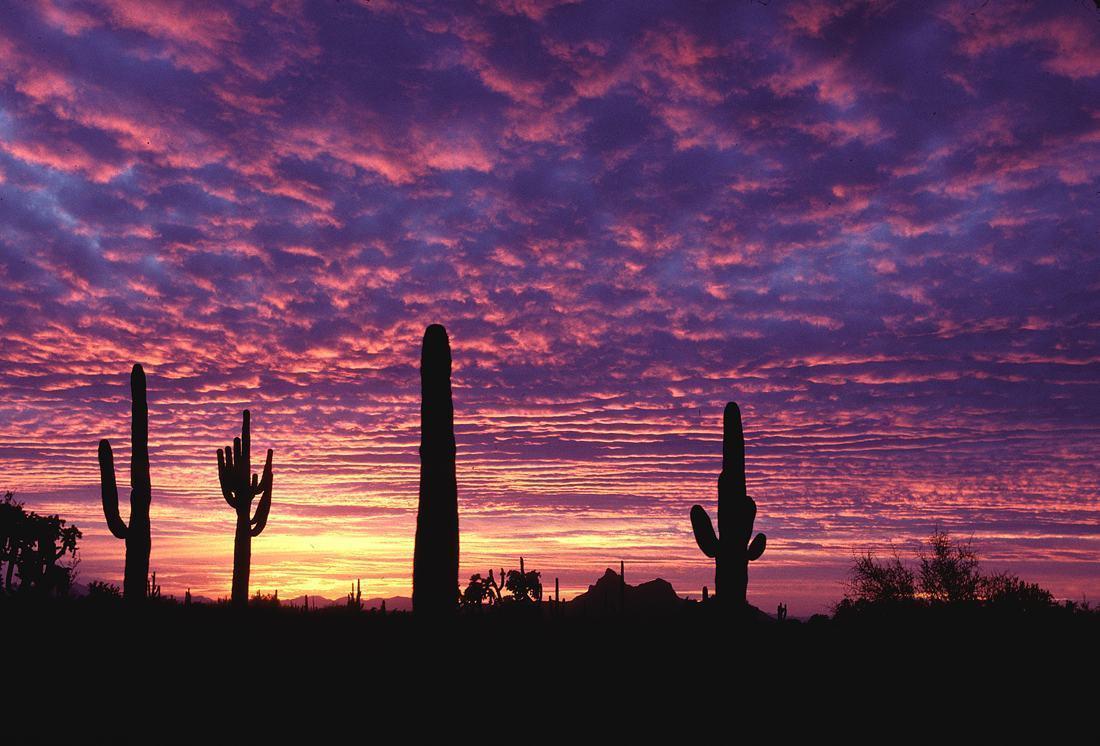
(435, 556)
(355, 597)
(730, 548)
(524, 585)
(136, 534)
(494, 589)
(239, 487)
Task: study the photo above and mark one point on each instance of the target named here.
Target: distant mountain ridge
(393, 603)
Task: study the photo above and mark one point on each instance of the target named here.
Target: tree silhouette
(32, 547)
(948, 573)
(874, 581)
(239, 487)
(730, 548)
(136, 534)
(1005, 590)
(11, 537)
(435, 555)
(949, 570)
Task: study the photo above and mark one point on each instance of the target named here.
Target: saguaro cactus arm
(238, 486)
(756, 548)
(704, 531)
(225, 469)
(110, 490)
(262, 488)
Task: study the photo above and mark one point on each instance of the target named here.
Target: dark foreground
(83, 672)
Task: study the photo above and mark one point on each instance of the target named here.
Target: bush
(872, 581)
(949, 573)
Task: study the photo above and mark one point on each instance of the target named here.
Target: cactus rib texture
(239, 488)
(730, 546)
(435, 556)
(136, 534)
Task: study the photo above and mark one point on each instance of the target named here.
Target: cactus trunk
(435, 556)
(137, 533)
(242, 559)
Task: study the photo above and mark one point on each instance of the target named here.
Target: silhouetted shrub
(874, 581)
(948, 574)
(1007, 590)
(264, 600)
(100, 590)
(32, 548)
(476, 592)
(949, 570)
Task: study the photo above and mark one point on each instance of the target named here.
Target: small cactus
(234, 474)
(136, 534)
(355, 597)
(731, 549)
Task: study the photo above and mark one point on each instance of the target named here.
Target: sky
(874, 225)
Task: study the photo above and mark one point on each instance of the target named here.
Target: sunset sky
(874, 225)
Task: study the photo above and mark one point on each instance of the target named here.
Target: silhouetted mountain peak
(609, 595)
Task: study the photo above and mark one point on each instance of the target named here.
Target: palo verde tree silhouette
(435, 555)
(730, 548)
(136, 534)
(239, 487)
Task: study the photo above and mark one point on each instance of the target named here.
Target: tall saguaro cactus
(730, 548)
(136, 534)
(435, 557)
(239, 487)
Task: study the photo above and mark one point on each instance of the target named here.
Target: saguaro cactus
(730, 548)
(435, 557)
(239, 487)
(136, 534)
